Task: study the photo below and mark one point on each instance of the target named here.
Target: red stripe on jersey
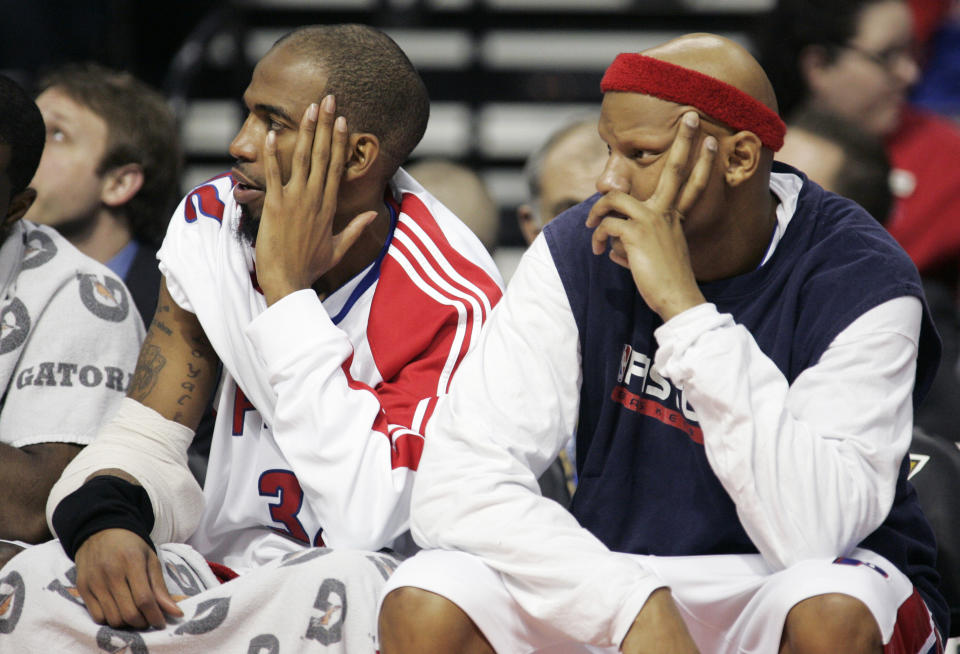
(422, 321)
(407, 449)
(380, 423)
(429, 268)
(472, 298)
(428, 413)
(468, 308)
(439, 269)
(482, 288)
(913, 629)
(417, 210)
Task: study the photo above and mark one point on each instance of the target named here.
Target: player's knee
(831, 623)
(418, 621)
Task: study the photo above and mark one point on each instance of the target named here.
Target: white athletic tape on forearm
(153, 450)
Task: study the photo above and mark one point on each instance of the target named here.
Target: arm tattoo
(159, 325)
(149, 365)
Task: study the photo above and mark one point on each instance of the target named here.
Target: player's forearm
(142, 447)
(28, 474)
(177, 366)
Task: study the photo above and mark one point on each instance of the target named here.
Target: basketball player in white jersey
(326, 299)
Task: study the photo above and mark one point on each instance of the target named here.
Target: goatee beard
(248, 227)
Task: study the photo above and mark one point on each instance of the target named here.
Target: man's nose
(614, 176)
(244, 146)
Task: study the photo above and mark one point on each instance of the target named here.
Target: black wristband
(104, 502)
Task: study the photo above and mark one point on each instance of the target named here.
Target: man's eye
(275, 125)
(56, 134)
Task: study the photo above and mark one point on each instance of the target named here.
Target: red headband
(636, 73)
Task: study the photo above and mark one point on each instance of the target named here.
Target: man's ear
(529, 225)
(19, 205)
(120, 184)
(742, 157)
(363, 151)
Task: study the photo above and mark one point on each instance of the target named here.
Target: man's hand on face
(658, 628)
(296, 244)
(121, 582)
(647, 236)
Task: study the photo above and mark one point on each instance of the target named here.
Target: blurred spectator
(561, 173)
(463, 192)
(840, 157)
(939, 87)
(108, 177)
(68, 338)
(928, 17)
(856, 58)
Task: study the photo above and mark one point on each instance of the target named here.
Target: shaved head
(720, 58)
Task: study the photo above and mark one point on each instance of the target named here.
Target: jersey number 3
(283, 485)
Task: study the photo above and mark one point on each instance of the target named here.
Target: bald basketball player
(740, 352)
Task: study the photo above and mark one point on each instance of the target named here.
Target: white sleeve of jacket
(512, 406)
(353, 456)
(812, 467)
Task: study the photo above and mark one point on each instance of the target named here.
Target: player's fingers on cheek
(338, 147)
(699, 176)
(321, 140)
(300, 166)
(675, 168)
(271, 165)
(335, 166)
